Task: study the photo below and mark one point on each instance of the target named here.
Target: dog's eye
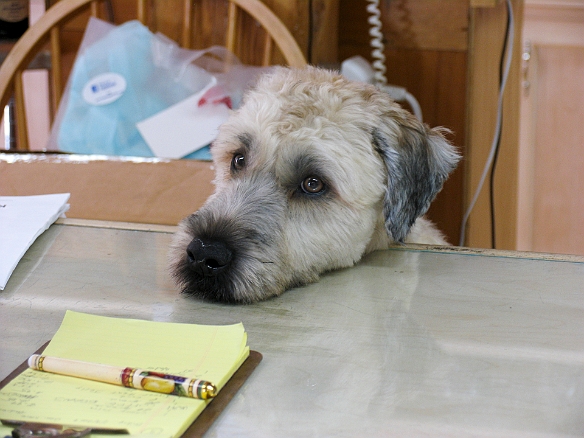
(312, 185)
(238, 162)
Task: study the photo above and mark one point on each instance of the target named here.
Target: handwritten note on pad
(212, 353)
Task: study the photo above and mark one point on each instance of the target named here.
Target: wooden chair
(45, 34)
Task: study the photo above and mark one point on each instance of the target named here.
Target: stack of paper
(212, 353)
(22, 220)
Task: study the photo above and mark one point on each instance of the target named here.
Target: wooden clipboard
(204, 421)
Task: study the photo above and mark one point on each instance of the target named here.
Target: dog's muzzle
(231, 250)
(208, 257)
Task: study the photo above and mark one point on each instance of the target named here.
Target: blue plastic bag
(125, 74)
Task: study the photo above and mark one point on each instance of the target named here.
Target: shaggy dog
(312, 172)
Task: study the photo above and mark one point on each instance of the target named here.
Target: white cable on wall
(489, 162)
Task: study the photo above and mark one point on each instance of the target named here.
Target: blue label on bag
(104, 88)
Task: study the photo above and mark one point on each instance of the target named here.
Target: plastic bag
(125, 74)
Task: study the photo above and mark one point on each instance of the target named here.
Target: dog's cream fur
(261, 233)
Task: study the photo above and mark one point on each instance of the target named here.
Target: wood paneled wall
(210, 23)
(313, 23)
(426, 44)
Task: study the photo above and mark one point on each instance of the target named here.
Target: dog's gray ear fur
(418, 161)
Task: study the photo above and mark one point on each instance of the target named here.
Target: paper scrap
(211, 353)
(22, 220)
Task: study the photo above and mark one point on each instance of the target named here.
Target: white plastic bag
(126, 74)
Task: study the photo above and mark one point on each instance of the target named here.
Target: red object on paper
(215, 96)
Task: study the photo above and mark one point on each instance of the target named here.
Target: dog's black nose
(208, 257)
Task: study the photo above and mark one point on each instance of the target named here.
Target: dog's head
(307, 172)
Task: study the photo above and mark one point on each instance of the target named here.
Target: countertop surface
(409, 342)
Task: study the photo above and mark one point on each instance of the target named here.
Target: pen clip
(24, 429)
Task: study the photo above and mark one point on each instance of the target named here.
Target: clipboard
(204, 421)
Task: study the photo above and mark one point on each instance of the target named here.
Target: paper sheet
(22, 220)
(213, 353)
(184, 127)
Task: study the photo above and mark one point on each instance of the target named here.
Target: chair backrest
(48, 30)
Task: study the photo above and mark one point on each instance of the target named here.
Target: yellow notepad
(212, 353)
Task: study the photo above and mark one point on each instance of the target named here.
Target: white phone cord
(377, 41)
(378, 55)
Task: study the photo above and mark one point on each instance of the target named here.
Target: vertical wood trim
(141, 11)
(267, 50)
(486, 36)
(324, 41)
(526, 171)
(507, 172)
(231, 27)
(187, 27)
(56, 74)
(20, 109)
(94, 8)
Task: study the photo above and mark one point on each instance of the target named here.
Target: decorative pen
(129, 377)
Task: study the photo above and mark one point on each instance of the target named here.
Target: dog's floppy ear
(418, 161)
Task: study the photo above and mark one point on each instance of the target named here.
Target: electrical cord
(376, 41)
(496, 137)
(498, 147)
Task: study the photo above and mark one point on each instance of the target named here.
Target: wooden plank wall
(313, 23)
(210, 23)
(426, 45)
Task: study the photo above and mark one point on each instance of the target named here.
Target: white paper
(22, 220)
(184, 127)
